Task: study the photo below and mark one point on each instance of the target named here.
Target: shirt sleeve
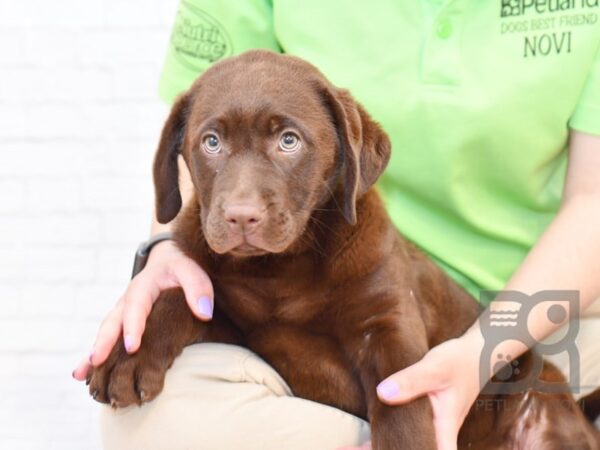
(586, 117)
(206, 31)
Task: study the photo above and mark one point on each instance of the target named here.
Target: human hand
(449, 375)
(167, 267)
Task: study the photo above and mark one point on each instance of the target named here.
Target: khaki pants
(220, 397)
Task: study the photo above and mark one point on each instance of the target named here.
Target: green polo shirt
(477, 97)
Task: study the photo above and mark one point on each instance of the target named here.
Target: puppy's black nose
(243, 218)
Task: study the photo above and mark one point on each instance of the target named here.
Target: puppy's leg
(314, 366)
(133, 379)
(381, 350)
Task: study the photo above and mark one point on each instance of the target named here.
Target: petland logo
(512, 8)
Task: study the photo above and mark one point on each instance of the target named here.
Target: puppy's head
(267, 140)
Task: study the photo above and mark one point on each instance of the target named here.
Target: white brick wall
(79, 122)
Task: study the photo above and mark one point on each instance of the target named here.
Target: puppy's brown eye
(211, 144)
(289, 143)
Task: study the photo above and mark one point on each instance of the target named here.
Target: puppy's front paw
(125, 380)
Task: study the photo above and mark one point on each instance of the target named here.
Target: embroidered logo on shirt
(547, 25)
(198, 39)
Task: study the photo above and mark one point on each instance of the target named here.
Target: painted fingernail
(128, 342)
(205, 307)
(388, 389)
(73, 374)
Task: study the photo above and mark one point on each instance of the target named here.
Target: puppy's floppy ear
(166, 172)
(365, 148)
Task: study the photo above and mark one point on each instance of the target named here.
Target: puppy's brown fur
(323, 286)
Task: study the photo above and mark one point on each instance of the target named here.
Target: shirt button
(444, 29)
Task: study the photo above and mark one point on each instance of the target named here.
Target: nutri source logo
(198, 39)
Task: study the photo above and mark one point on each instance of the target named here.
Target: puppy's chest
(252, 302)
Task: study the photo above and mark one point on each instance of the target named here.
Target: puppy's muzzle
(243, 219)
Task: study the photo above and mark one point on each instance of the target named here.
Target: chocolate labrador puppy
(308, 270)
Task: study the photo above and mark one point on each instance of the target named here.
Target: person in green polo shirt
(493, 110)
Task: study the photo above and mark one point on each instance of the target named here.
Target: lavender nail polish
(205, 307)
(128, 343)
(388, 390)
